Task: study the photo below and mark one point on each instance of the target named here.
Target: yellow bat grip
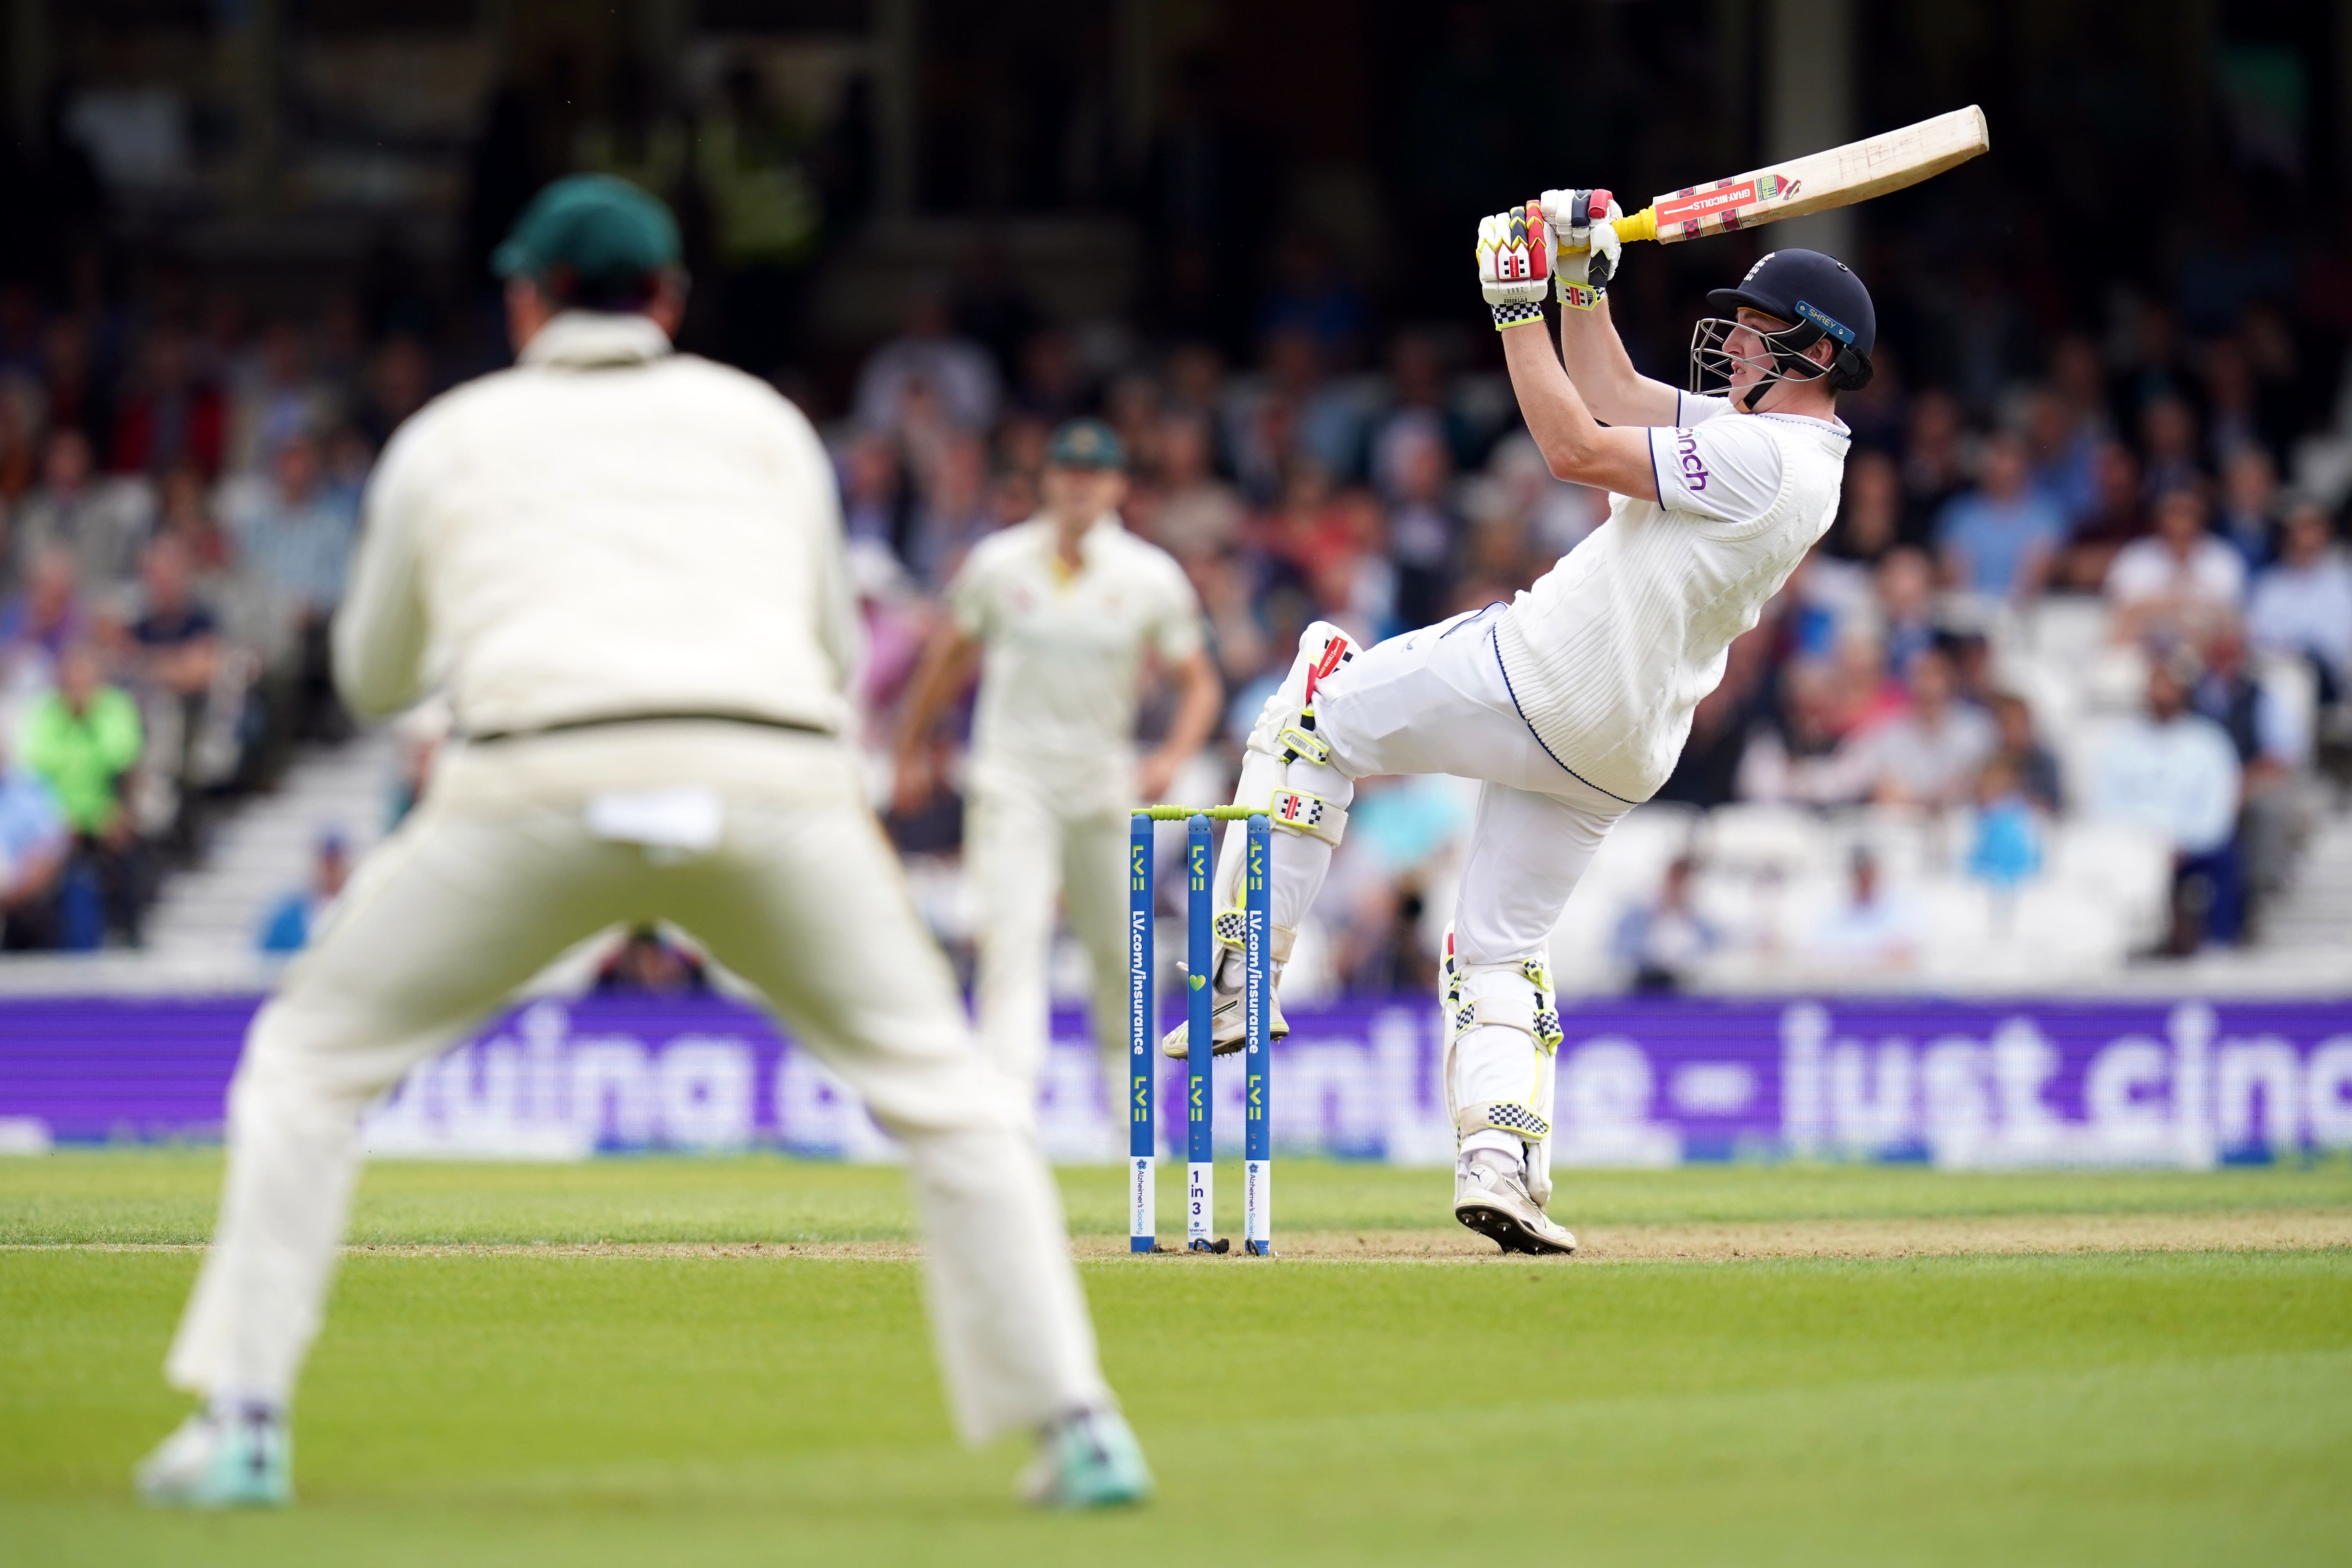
(1643, 224)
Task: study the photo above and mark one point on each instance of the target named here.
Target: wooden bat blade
(1816, 182)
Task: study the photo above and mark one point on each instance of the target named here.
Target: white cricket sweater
(1611, 650)
(608, 528)
(1065, 652)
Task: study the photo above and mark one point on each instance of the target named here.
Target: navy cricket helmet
(1820, 297)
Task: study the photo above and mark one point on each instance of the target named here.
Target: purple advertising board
(1641, 1081)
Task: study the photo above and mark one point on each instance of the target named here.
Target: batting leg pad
(1538, 1152)
(1295, 810)
(1514, 996)
(1286, 723)
(1518, 997)
(1231, 926)
(1298, 741)
(1521, 1121)
(1310, 793)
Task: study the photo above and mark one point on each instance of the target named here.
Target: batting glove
(1515, 265)
(1586, 246)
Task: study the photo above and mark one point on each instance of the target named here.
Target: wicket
(1142, 1030)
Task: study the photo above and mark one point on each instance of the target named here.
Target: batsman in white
(1060, 612)
(1572, 703)
(629, 565)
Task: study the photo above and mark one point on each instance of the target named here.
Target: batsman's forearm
(1556, 413)
(1574, 447)
(1604, 373)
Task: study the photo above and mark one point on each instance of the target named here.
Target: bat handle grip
(1643, 224)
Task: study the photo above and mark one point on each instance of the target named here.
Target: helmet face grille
(1711, 361)
(1783, 359)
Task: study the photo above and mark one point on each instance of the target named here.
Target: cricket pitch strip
(1749, 1241)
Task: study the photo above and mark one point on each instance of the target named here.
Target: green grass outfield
(475, 1400)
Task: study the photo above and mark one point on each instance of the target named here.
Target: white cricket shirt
(2178, 778)
(2214, 574)
(1611, 650)
(1063, 652)
(608, 528)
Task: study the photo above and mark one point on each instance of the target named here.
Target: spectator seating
(1377, 499)
(1769, 874)
(215, 912)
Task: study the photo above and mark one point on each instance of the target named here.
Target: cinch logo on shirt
(1693, 469)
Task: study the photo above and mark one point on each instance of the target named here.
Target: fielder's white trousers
(496, 873)
(1436, 701)
(1026, 848)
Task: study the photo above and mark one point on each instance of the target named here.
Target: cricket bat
(1839, 177)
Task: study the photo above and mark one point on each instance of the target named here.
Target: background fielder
(631, 561)
(1572, 703)
(1060, 612)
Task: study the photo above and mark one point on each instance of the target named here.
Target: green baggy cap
(606, 233)
(1086, 443)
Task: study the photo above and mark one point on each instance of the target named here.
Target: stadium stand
(2077, 476)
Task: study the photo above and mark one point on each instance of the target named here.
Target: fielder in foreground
(631, 561)
(1572, 703)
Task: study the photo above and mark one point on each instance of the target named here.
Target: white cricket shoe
(1490, 1196)
(238, 1458)
(1228, 1032)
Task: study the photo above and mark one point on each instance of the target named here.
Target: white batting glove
(1584, 244)
(1515, 265)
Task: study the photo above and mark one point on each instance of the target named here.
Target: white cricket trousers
(1025, 847)
(494, 875)
(1435, 700)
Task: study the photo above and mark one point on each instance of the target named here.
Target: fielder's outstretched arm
(950, 661)
(1576, 446)
(1199, 695)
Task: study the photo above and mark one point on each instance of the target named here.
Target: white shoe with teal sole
(222, 1459)
(1090, 1460)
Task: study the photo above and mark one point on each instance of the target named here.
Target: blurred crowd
(2084, 592)
(179, 499)
(2087, 596)
(2096, 598)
